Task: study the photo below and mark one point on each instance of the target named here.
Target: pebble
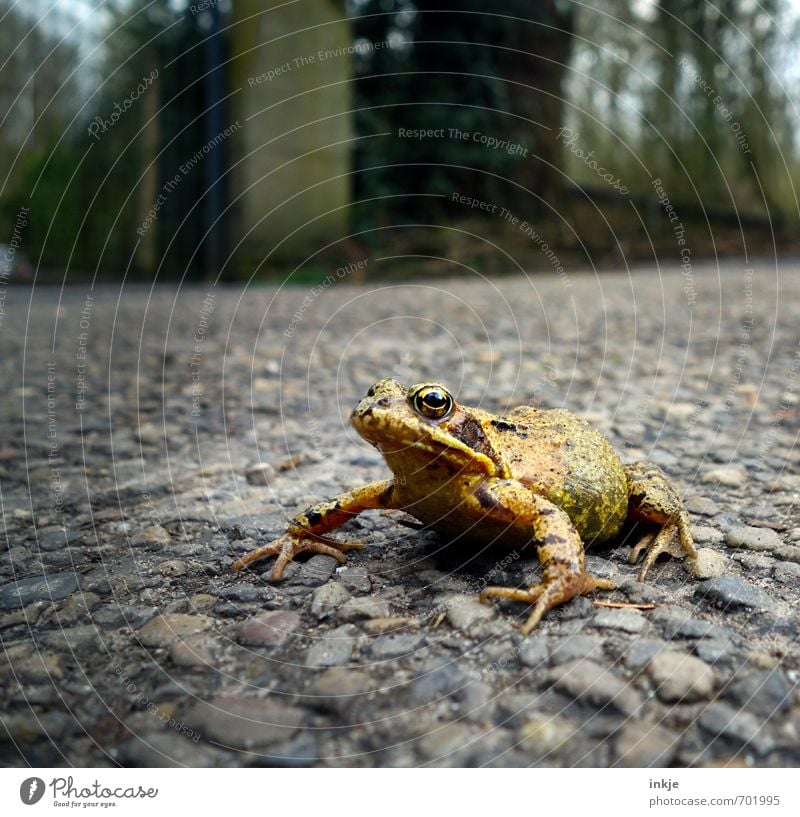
(592, 683)
(743, 730)
(702, 506)
(169, 749)
(333, 648)
(714, 651)
(746, 536)
(576, 647)
(317, 570)
(268, 629)
(152, 535)
(787, 572)
(354, 578)
(73, 639)
(339, 686)
(245, 722)
(543, 735)
(261, 473)
(704, 535)
(680, 677)
(446, 740)
(114, 616)
(533, 651)
(396, 645)
(765, 693)
(626, 620)
(38, 588)
(163, 630)
(199, 650)
(364, 607)
(732, 476)
(641, 745)
(710, 564)
(25, 664)
(733, 593)
(640, 653)
(465, 611)
(327, 599)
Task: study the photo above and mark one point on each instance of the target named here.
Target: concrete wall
(288, 120)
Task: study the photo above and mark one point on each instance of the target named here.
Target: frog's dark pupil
(435, 400)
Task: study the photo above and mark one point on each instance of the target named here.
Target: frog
(532, 477)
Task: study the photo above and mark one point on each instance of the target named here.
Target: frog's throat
(467, 457)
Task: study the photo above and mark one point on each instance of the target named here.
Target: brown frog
(542, 477)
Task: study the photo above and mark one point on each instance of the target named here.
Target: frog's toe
(640, 547)
(665, 541)
(294, 546)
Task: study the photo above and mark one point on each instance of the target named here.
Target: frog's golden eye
(433, 402)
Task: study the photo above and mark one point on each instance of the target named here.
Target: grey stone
(355, 578)
(575, 647)
(710, 564)
(73, 639)
(763, 692)
(732, 476)
(152, 535)
(364, 607)
(595, 685)
(327, 599)
(702, 506)
(246, 592)
(261, 473)
(38, 588)
(333, 648)
(641, 651)
(542, 735)
(715, 651)
(680, 677)
(705, 535)
(113, 616)
(245, 722)
(627, 620)
(641, 745)
(169, 749)
(396, 645)
(533, 651)
(269, 629)
(317, 570)
(787, 572)
(743, 730)
(733, 593)
(745, 536)
(163, 630)
(56, 538)
(465, 611)
(197, 651)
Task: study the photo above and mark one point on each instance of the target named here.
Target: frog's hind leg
(559, 548)
(305, 533)
(652, 498)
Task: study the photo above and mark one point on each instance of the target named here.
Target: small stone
(733, 593)
(641, 652)
(591, 683)
(364, 607)
(627, 620)
(702, 506)
(56, 538)
(333, 648)
(379, 626)
(465, 611)
(445, 740)
(24, 664)
(704, 535)
(710, 564)
(766, 694)
(262, 473)
(202, 602)
(533, 651)
(342, 684)
(601, 568)
(244, 723)
(268, 629)
(328, 598)
(173, 567)
(791, 553)
(152, 535)
(38, 588)
(317, 570)
(73, 639)
(743, 730)
(163, 630)
(680, 677)
(149, 434)
(576, 647)
(752, 538)
(199, 650)
(543, 735)
(113, 616)
(396, 645)
(169, 749)
(733, 476)
(787, 572)
(714, 651)
(642, 745)
(355, 579)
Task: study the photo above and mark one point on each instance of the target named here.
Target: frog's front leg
(653, 498)
(305, 532)
(558, 543)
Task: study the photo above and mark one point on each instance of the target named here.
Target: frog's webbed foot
(545, 596)
(559, 548)
(653, 498)
(289, 545)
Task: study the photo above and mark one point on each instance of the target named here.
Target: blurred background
(281, 140)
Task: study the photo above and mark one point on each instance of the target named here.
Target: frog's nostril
(383, 402)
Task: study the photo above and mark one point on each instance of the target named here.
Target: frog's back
(561, 457)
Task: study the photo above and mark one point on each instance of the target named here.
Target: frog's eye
(433, 402)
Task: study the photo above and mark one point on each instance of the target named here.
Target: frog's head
(422, 426)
